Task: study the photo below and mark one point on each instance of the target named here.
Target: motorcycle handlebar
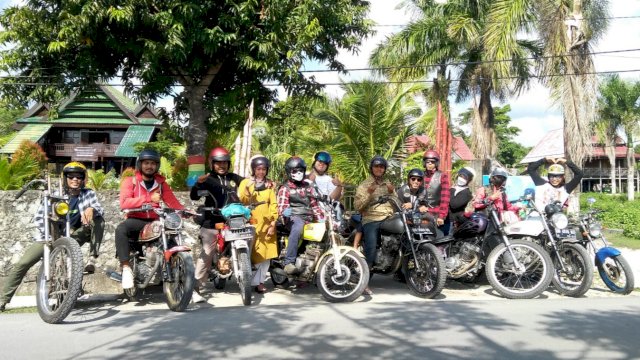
(28, 185)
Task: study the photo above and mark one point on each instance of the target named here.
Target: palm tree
(455, 33)
(567, 30)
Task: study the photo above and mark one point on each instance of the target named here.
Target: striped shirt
(86, 199)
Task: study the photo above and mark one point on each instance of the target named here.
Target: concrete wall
(17, 229)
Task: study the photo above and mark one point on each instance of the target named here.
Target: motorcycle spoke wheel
(347, 286)
(428, 278)
(577, 277)
(178, 292)
(57, 296)
(617, 274)
(244, 276)
(524, 283)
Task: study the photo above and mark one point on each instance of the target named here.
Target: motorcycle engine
(306, 260)
(464, 260)
(146, 266)
(387, 252)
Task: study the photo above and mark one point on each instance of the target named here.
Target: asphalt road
(465, 322)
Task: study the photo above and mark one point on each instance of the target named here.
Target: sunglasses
(75, 177)
(415, 179)
(430, 161)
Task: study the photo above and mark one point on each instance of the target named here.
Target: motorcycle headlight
(172, 221)
(595, 230)
(61, 208)
(560, 221)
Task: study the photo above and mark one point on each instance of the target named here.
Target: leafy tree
(14, 174)
(9, 113)
(220, 52)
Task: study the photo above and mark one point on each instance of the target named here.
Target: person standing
(327, 185)
(555, 188)
(437, 188)
(460, 196)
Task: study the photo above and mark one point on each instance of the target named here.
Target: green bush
(98, 180)
(179, 173)
(13, 175)
(618, 212)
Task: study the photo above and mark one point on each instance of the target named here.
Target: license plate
(565, 233)
(240, 244)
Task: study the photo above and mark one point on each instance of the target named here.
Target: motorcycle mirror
(591, 201)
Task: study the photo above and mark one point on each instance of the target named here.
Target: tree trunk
(197, 129)
(610, 150)
(631, 164)
(483, 137)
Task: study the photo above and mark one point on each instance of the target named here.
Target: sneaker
(2, 306)
(197, 298)
(127, 278)
(290, 269)
(260, 289)
(90, 268)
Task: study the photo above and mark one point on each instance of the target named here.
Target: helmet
(294, 162)
(431, 154)
(259, 160)
(499, 172)
(467, 173)
(322, 156)
(476, 225)
(219, 154)
(147, 155)
(74, 167)
(556, 169)
(377, 160)
(415, 173)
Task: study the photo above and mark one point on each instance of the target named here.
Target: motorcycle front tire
(612, 270)
(348, 287)
(56, 297)
(429, 282)
(244, 276)
(178, 292)
(576, 258)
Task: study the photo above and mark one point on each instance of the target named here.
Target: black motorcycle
(516, 269)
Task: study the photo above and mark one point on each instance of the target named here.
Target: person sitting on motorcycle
(297, 204)
(145, 187)
(555, 189)
(87, 225)
(460, 196)
(223, 186)
(255, 189)
(496, 193)
(373, 214)
(436, 184)
(412, 192)
(328, 186)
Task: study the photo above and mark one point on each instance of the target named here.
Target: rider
(460, 196)
(373, 214)
(412, 191)
(259, 189)
(556, 188)
(223, 186)
(327, 185)
(436, 184)
(146, 187)
(87, 225)
(496, 193)
(298, 205)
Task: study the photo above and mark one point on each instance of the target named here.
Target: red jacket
(133, 194)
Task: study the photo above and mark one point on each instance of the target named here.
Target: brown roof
(421, 142)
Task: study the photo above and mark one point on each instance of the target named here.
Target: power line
(530, 21)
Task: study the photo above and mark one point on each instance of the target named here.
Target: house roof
(459, 147)
(32, 132)
(134, 134)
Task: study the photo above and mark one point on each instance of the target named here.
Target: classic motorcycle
(234, 243)
(340, 272)
(549, 228)
(612, 266)
(516, 269)
(59, 280)
(159, 256)
(406, 242)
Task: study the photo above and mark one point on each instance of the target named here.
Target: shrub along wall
(619, 213)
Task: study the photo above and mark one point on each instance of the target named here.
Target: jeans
(296, 226)
(126, 231)
(371, 232)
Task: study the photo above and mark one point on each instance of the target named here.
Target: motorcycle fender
(176, 249)
(532, 227)
(341, 251)
(606, 252)
(240, 244)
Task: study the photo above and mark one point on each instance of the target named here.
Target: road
(465, 322)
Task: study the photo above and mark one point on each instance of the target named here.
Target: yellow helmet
(556, 169)
(74, 167)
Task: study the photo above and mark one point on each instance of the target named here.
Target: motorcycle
(159, 256)
(234, 243)
(406, 242)
(612, 266)
(516, 269)
(340, 272)
(59, 281)
(549, 228)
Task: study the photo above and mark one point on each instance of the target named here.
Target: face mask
(297, 176)
(461, 181)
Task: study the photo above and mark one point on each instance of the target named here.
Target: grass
(619, 240)
(20, 310)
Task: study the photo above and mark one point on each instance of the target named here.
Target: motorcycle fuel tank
(531, 226)
(393, 225)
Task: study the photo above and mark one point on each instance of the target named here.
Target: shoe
(367, 291)
(197, 298)
(290, 269)
(90, 268)
(2, 306)
(261, 289)
(127, 278)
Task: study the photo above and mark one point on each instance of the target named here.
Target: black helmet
(147, 155)
(257, 161)
(415, 173)
(498, 172)
(294, 162)
(467, 173)
(377, 160)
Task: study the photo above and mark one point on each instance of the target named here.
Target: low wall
(17, 229)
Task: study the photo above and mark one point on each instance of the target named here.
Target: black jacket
(223, 188)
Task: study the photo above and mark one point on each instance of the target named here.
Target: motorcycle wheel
(278, 276)
(56, 298)
(514, 284)
(178, 292)
(244, 276)
(578, 277)
(616, 274)
(349, 286)
(429, 281)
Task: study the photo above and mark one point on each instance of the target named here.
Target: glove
(286, 212)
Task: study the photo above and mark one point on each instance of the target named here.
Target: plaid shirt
(442, 210)
(86, 199)
(283, 199)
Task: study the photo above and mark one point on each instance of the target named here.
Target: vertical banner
(444, 141)
(196, 168)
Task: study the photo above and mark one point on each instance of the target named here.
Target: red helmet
(219, 154)
(431, 154)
